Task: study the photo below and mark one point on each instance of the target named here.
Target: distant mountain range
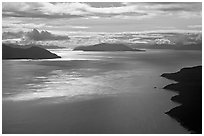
(45, 46)
(168, 46)
(106, 47)
(32, 52)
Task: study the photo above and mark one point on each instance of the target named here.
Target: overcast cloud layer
(101, 17)
(74, 10)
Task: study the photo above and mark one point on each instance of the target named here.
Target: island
(31, 52)
(189, 88)
(106, 47)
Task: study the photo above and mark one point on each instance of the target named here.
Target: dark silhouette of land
(189, 87)
(33, 52)
(106, 47)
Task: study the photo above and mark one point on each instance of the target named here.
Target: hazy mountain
(43, 36)
(106, 47)
(196, 46)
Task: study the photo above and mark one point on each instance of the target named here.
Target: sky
(85, 19)
(102, 17)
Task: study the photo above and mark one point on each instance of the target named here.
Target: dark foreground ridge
(106, 47)
(32, 52)
(189, 87)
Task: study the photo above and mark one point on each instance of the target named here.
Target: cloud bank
(143, 40)
(33, 35)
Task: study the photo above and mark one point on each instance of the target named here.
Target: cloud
(195, 26)
(23, 25)
(34, 10)
(169, 6)
(79, 27)
(74, 10)
(64, 10)
(33, 35)
(163, 41)
(12, 35)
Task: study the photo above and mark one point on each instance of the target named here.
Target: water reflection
(112, 73)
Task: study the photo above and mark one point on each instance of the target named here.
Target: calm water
(81, 76)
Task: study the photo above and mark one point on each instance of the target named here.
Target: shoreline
(189, 88)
